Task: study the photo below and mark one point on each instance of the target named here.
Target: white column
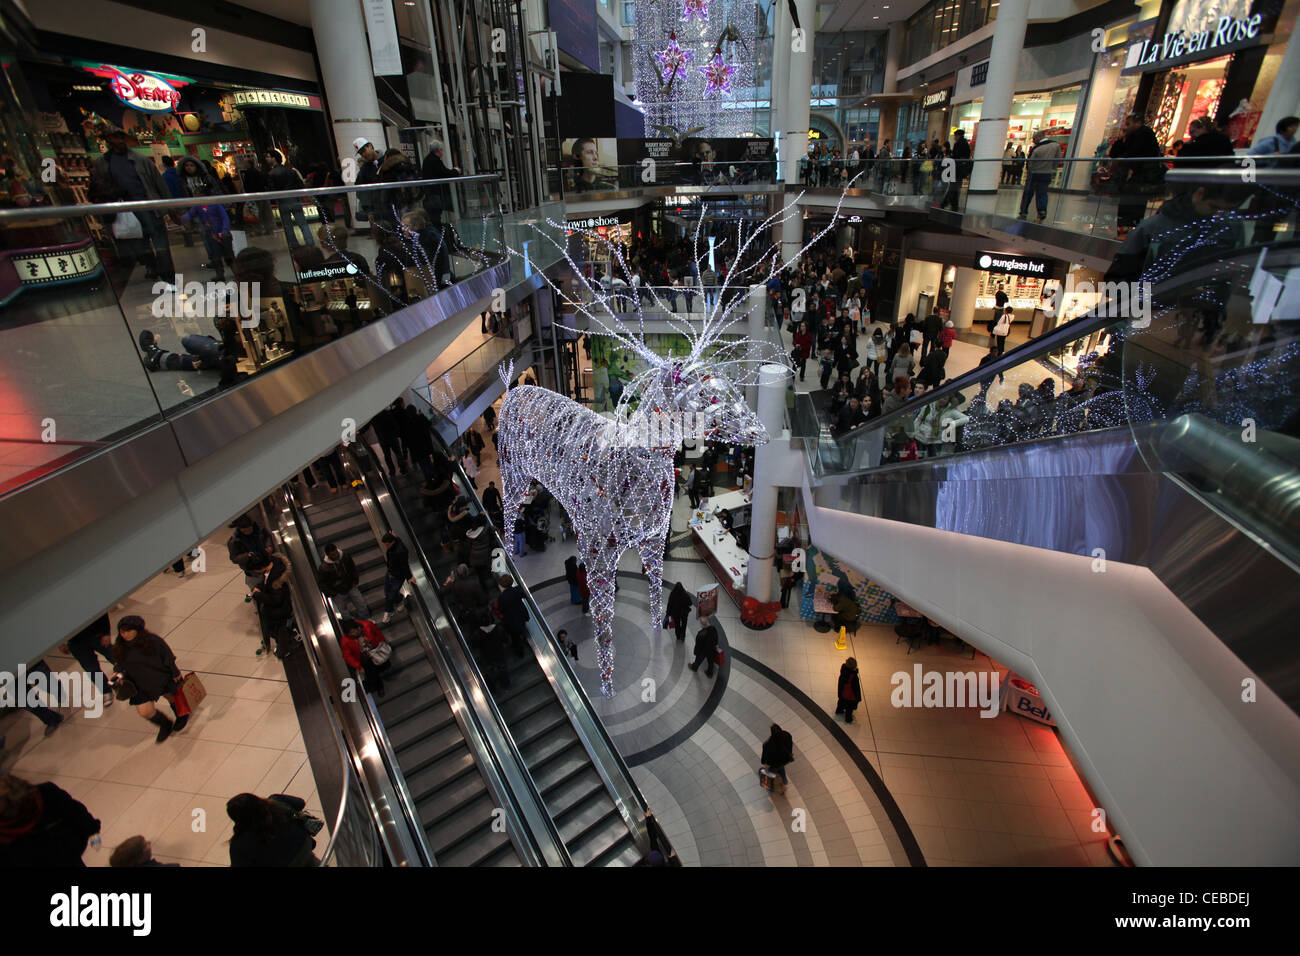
(995, 115)
(781, 26)
(1284, 98)
(340, 33)
(893, 56)
(791, 235)
(762, 510)
(965, 286)
(794, 139)
(756, 308)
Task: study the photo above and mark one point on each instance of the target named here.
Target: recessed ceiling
(850, 15)
(295, 11)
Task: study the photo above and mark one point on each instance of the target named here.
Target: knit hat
(132, 622)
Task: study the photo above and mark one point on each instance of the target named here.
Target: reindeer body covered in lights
(614, 477)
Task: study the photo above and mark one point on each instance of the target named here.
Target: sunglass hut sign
(1228, 33)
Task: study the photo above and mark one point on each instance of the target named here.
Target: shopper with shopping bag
(145, 669)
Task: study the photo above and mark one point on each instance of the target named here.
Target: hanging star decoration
(695, 8)
(717, 75)
(672, 59)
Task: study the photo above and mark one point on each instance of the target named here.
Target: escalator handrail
(415, 836)
(590, 728)
(347, 759)
(504, 764)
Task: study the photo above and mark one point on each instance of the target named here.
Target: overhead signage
(594, 222)
(147, 92)
(297, 101)
(327, 272)
(936, 100)
(979, 74)
(1178, 46)
(1010, 263)
(381, 27)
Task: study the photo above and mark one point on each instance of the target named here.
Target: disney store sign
(1176, 48)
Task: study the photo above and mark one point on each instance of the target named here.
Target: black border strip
(901, 828)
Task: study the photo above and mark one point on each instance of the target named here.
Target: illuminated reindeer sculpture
(614, 477)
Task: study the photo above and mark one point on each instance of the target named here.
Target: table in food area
(727, 559)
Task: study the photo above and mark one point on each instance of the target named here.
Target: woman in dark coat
(849, 690)
(679, 609)
(145, 660)
(269, 832)
(41, 825)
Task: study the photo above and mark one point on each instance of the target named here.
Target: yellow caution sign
(842, 642)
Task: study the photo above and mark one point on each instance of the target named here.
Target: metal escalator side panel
(363, 730)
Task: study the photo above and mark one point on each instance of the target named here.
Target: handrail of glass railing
(1048, 342)
(591, 731)
(408, 845)
(504, 764)
(137, 205)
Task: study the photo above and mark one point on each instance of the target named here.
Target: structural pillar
(798, 90)
(756, 309)
(781, 27)
(340, 32)
(1284, 98)
(762, 509)
(791, 235)
(893, 56)
(995, 115)
(965, 288)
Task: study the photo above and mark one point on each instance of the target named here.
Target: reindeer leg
(513, 485)
(600, 579)
(652, 556)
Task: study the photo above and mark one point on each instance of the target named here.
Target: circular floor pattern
(693, 745)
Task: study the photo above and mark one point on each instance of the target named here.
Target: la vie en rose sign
(1172, 49)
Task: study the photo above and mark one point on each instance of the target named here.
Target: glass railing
(451, 389)
(538, 235)
(117, 315)
(688, 297)
(1201, 369)
(575, 182)
(1098, 196)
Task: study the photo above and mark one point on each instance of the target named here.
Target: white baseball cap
(360, 143)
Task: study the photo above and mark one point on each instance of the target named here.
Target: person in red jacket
(947, 335)
(371, 663)
(803, 344)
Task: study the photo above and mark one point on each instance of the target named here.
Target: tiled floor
(244, 737)
(972, 791)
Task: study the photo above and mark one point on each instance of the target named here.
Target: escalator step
(572, 792)
(559, 752)
(411, 689)
(470, 822)
(590, 832)
(503, 855)
(428, 738)
(623, 852)
(555, 772)
(518, 709)
(441, 773)
(542, 726)
(435, 804)
(484, 848)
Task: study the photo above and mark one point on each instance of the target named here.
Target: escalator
(453, 803)
(583, 785)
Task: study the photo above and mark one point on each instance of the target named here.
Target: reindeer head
(696, 401)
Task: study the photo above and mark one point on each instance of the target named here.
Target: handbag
(719, 657)
(377, 654)
(127, 226)
(124, 689)
(193, 689)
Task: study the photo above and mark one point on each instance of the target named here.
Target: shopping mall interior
(680, 433)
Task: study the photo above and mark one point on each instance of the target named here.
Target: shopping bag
(127, 226)
(193, 690)
(706, 601)
(719, 657)
(238, 242)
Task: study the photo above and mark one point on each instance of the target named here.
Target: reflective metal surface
(399, 830)
(62, 503)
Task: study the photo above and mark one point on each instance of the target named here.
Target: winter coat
(397, 560)
(514, 612)
(849, 687)
(246, 549)
(706, 642)
(351, 647)
(290, 843)
(338, 577)
(679, 604)
(778, 750)
(53, 832)
(149, 664)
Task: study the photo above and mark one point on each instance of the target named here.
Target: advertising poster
(590, 163)
(700, 161)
